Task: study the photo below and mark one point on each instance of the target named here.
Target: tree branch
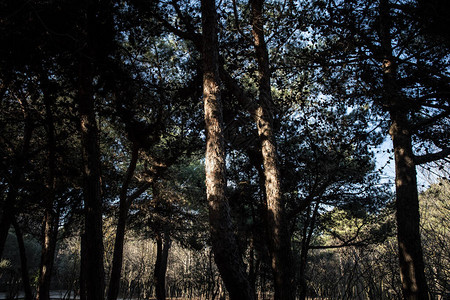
(431, 120)
(356, 244)
(430, 157)
(317, 191)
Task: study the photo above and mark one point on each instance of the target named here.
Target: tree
(158, 132)
(23, 261)
(226, 254)
(295, 98)
(94, 44)
(15, 177)
(17, 92)
(124, 205)
(356, 39)
(278, 233)
(51, 214)
(163, 245)
(407, 205)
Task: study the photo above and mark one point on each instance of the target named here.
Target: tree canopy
(223, 149)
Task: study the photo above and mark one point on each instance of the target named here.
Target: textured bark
(91, 184)
(224, 244)
(124, 205)
(412, 274)
(23, 262)
(277, 227)
(162, 254)
(412, 269)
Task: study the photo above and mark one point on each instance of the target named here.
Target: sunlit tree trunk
(277, 227)
(224, 244)
(412, 274)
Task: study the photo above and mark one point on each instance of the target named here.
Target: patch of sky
(385, 165)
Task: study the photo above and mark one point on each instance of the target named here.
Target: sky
(426, 175)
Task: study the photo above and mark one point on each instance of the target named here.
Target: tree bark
(91, 52)
(23, 262)
(277, 227)
(412, 268)
(224, 244)
(91, 184)
(124, 205)
(8, 210)
(412, 274)
(9, 206)
(51, 220)
(162, 254)
(51, 217)
(306, 241)
(83, 267)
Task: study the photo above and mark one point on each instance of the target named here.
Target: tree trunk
(8, 211)
(224, 244)
(412, 274)
(90, 52)
(412, 269)
(51, 217)
(124, 205)
(91, 184)
(51, 220)
(9, 206)
(116, 269)
(162, 254)
(23, 262)
(277, 227)
(306, 241)
(83, 267)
